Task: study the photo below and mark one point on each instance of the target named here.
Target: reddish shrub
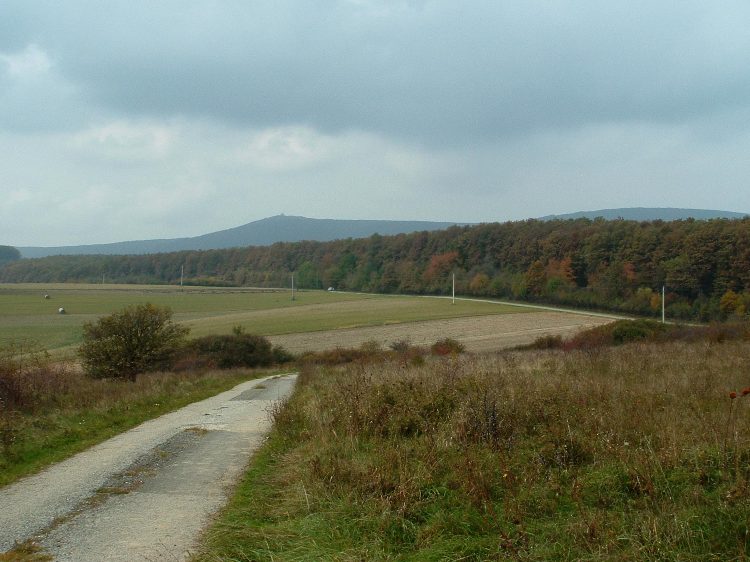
(447, 346)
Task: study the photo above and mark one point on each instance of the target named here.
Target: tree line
(612, 265)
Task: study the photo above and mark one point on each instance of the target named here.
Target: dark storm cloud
(430, 71)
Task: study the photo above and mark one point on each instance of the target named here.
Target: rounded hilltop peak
(281, 216)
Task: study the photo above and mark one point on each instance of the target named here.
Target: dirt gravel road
(478, 333)
(145, 494)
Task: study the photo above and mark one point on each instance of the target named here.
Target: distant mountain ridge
(648, 214)
(287, 228)
(264, 232)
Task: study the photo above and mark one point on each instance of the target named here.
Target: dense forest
(612, 265)
(8, 254)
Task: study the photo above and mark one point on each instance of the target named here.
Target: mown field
(637, 452)
(26, 314)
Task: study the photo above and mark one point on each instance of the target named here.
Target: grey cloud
(431, 71)
(222, 112)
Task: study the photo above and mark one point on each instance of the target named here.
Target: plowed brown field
(478, 333)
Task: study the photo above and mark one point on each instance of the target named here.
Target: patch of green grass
(628, 453)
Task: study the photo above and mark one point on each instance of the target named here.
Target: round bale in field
(46, 296)
(61, 310)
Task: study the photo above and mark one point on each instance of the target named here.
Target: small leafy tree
(134, 340)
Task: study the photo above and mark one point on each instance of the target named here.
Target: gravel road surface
(145, 494)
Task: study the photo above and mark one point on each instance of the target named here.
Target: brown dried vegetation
(607, 453)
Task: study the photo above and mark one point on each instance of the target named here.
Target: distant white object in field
(46, 296)
(331, 289)
(61, 310)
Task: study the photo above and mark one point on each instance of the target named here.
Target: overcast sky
(135, 120)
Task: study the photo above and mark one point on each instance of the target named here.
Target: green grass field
(26, 315)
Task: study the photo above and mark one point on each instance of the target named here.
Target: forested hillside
(8, 254)
(615, 265)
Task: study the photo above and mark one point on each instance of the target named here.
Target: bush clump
(366, 353)
(134, 340)
(238, 349)
(447, 346)
(545, 342)
(627, 331)
(29, 379)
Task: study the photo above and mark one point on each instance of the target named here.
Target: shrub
(618, 333)
(400, 346)
(624, 331)
(342, 355)
(447, 346)
(281, 355)
(544, 342)
(28, 378)
(237, 350)
(406, 353)
(134, 340)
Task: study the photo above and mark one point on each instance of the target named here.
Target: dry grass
(628, 453)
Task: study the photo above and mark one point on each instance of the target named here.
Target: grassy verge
(69, 412)
(629, 453)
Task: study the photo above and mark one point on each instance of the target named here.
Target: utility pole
(182, 274)
(292, 286)
(454, 289)
(663, 293)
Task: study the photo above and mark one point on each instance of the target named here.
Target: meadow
(636, 452)
(25, 313)
(62, 411)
